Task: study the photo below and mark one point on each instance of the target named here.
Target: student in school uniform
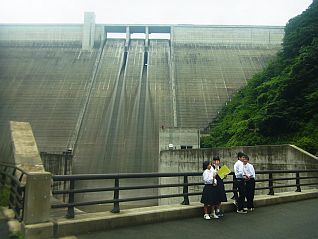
(220, 186)
(249, 176)
(209, 192)
(239, 183)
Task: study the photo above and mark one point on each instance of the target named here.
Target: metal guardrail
(72, 179)
(12, 177)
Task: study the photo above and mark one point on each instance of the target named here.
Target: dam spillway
(109, 101)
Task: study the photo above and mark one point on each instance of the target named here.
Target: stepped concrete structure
(106, 91)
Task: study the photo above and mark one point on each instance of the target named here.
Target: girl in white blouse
(209, 194)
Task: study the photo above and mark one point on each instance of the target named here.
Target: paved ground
(284, 221)
(4, 233)
(4, 229)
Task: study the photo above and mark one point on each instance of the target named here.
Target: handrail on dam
(298, 181)
(12, 177)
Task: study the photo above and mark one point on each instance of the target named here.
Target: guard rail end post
(270, 184)
(298, 189)
(116, 208)
(37, 198)
(185, 191)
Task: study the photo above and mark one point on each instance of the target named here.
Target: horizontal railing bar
(228, 182)
(119, 176)
(14, 166)
(287, 171)
(87, 190)
(307, 177)
(150, 175)
(308, 184)
(262, 188)
(14, 179)
(76, 204)
(62, 205)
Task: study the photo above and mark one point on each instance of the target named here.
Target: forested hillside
(279, 105)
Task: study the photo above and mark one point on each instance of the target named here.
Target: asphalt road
(294, 220)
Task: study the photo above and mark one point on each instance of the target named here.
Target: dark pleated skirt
(209, 195)
(220, 190)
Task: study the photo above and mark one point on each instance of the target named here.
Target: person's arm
(246, 174)
(213, 173)
(207, 177)
(252, 171)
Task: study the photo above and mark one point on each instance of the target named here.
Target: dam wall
(110, 102)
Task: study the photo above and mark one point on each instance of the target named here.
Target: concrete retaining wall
(267, 157)
(179, 137)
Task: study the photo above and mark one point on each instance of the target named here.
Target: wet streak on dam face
(46, 79)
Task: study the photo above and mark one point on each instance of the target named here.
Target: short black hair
(216, 158)
(240, 154)
(205, 165)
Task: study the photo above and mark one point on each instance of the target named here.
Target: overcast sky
(211, 12)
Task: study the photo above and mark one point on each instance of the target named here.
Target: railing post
(234, 188)
(70, 209)
(298, 189)
(185, 191)
(270, 184)
(116, 208)
(67, 167)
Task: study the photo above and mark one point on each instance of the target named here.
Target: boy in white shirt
(239, 183)
(249, 176)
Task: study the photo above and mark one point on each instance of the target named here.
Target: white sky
(211, 12)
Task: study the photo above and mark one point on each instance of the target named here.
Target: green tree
(279, 105)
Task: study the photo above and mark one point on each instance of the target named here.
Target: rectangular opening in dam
(115, 35)
(138, 36)
(155, 36)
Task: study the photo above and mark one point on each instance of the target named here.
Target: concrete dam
(107, 91)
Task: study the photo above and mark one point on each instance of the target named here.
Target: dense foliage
(279, 105)
(4, 196)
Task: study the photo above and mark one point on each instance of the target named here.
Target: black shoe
(220, 214)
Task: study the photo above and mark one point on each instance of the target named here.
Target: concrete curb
(102, 221)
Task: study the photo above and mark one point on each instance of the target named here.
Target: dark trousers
(250, 191)
(240, 186)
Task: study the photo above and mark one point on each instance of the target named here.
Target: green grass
(4, 196)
